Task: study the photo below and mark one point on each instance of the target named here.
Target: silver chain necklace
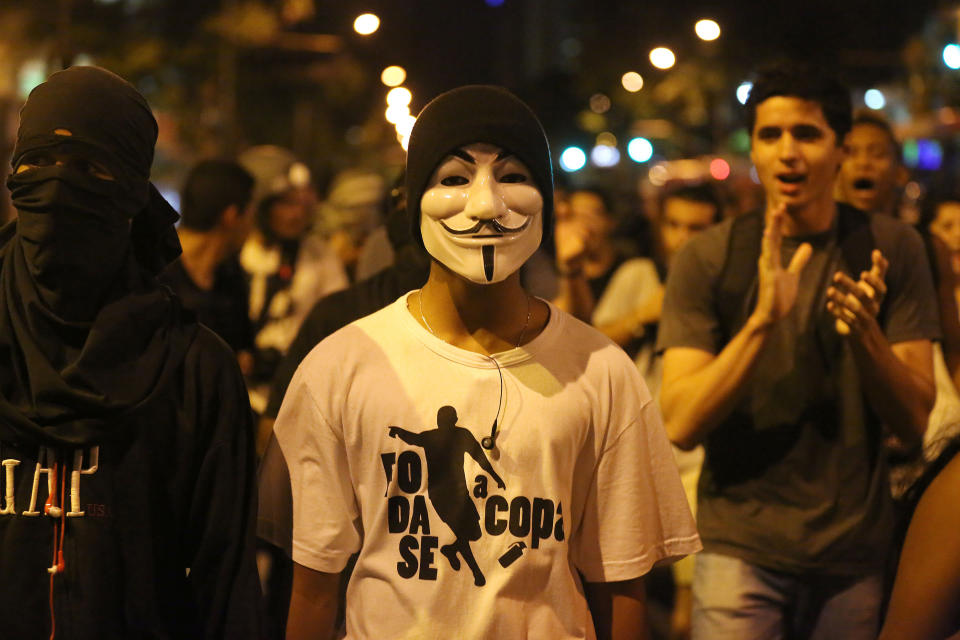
(523, 331)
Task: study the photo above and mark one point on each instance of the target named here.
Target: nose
(484, 201)
(788, 148)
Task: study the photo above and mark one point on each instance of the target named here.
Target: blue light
(605, 156)
(494, 3)
(640, 149)
(951, 56)
(572, 159)
(929, 155)
(743, 92)
(874, 99)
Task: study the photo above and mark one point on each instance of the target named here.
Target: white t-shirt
(589, 480)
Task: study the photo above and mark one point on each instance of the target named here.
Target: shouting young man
(499, 466)
(787, 375)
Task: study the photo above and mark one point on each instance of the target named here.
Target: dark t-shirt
(222, 308)
(794, 479)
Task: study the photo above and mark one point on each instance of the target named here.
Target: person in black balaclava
(125, 434)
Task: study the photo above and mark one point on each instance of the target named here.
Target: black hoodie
(125, 432)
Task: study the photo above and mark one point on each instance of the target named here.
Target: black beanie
(471, 114)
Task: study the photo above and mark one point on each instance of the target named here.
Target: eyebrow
(463, 155)
(466, 157)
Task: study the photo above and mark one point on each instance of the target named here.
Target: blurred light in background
(951, 56)
(922, 154)
(572, 159)
(599, 103)
(743, 92)
(494, 3)
(405, 125)
(662, 58)
(393, 76)
(632, 81)
(607, 138)
(31, 73)
(707, 29)
(659, 174)
(719, 169)
(604, 156)
(874, 99)
(395, 112)
(366, 23)
(399, 96)
(640, 149)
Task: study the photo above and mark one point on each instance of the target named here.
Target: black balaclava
(469, 114)
(86, 334)
(75, 229)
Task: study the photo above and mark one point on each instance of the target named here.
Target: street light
(707, 29)
(951, 56)
(393, 76)
(366, 23)
(632, 81)
(662, 58)
(399, 96)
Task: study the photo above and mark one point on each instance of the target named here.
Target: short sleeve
(635, 514)
(911, 309)
(632, 284)
(689, 317)
(326, 517)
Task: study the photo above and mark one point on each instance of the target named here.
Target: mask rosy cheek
(523, 199)
(440, 202)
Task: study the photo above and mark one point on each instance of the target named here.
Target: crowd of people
(471, 401)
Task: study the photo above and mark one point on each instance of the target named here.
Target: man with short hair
(871, 173)
(787, 375)
(216, 217)
(567, 499)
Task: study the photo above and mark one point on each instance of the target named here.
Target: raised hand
(856, 304)
(778, 287)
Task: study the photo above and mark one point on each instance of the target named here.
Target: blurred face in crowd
(588, 210)
(946, 225)
(242, 226)
(481, 215)
(680, 220)
(290, 215)
(796, 153)
(871, 171)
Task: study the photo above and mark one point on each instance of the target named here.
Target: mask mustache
(494, 225)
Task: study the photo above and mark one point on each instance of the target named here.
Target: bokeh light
(366, 23)
(395, 112)
(662, 58)
(607, 138)
(719, 169)
(951, 56)
(743, 92)
(874, 99)
(572, 159)
(393, 76)
(599, 103)
(632, 81)
(640, 149)
(658, 175)
(604, 156)
(707, 29)
(399, 96)
(405, 125)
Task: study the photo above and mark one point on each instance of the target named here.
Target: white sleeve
(636, 514)
(326, 521)
(631, 285)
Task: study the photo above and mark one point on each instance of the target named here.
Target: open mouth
(791, 178)
(864, 184)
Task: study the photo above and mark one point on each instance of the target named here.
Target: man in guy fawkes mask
(569, 472)
(125, 437)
